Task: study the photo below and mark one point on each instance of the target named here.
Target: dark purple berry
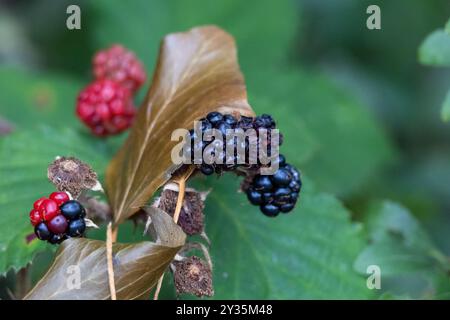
(58, 224)
(207, 169)
(214, 117)
(294, 186)
(262, 183)
(281, 177)
(223, 127)
(267, 197)
(72, 210)
(286, 207)
(254, 197)
(229, 119)
(57, 238)
(76, 228)
(270, 210)
(206, 125)
(282, 194)
(42, 232)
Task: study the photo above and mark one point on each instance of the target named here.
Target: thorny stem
(176, 215)
(110, 238)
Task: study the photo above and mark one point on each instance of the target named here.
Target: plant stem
(110, 238)
(176, 215)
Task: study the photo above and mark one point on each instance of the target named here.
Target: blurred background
(360, 114)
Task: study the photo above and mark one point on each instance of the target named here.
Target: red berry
(105, 107)
(35, 217)
(120, 65)
(59, 197)
(48, 209)
(38, 202)
(58, 224)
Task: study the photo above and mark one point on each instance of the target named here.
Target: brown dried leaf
(197, 72)
(137, 267)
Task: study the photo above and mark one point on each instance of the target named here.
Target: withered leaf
(137, 266)
(197, 72)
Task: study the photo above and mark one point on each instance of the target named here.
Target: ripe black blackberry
(221, 122)
(276, 193)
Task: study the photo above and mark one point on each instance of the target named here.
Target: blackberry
(235, 160)
(57, 218)
(276, 193)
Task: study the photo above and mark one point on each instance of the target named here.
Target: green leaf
(328, 134)
(24, 157)
(32, 99)
(435, 49)
(306, 254)
(260, 40)
(446, 108)
(447, 27)
(402, 249)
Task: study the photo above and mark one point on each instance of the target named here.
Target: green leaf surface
(435, 49)
(402, 249)
(306, 254)
(446, 108)
(329, 135)
(30, 99)
(24, 157)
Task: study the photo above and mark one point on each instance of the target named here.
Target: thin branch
(109, 242)
(176, 215)
(180, 199)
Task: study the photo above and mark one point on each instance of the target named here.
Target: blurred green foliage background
(360, 115)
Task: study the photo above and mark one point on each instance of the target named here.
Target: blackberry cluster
(106, 105)
(223, 122)
(273, 194)
(57, 218)
(276, 193)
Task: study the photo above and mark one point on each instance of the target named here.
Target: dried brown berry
(191, 218)
(193, 275)
(72, 175)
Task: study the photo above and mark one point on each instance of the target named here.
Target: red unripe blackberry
(35, 217)
(38, 202)
(48, 209)
(59, 197)
(120, 65)
(58, 224)
(105, 107)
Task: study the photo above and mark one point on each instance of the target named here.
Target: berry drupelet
(105, 107)
(57, 218)
(276, 193)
